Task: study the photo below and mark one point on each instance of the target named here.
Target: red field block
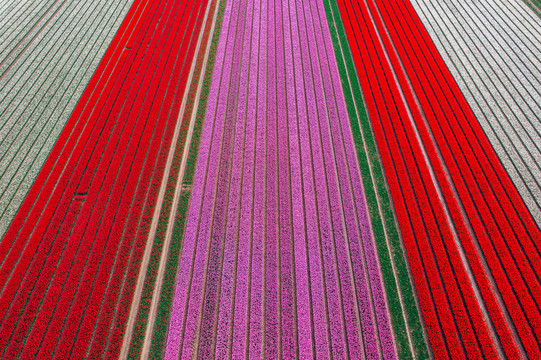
(487, 206)
(89, 210)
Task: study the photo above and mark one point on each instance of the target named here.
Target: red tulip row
(415, 105)
(74, 248)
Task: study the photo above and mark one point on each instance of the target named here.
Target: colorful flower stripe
(277, 232)
(96, 192)
(435, 128)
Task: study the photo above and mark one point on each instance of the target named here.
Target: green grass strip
(381, 214)
(166, 297)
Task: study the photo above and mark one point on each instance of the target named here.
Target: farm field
(270, 179)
